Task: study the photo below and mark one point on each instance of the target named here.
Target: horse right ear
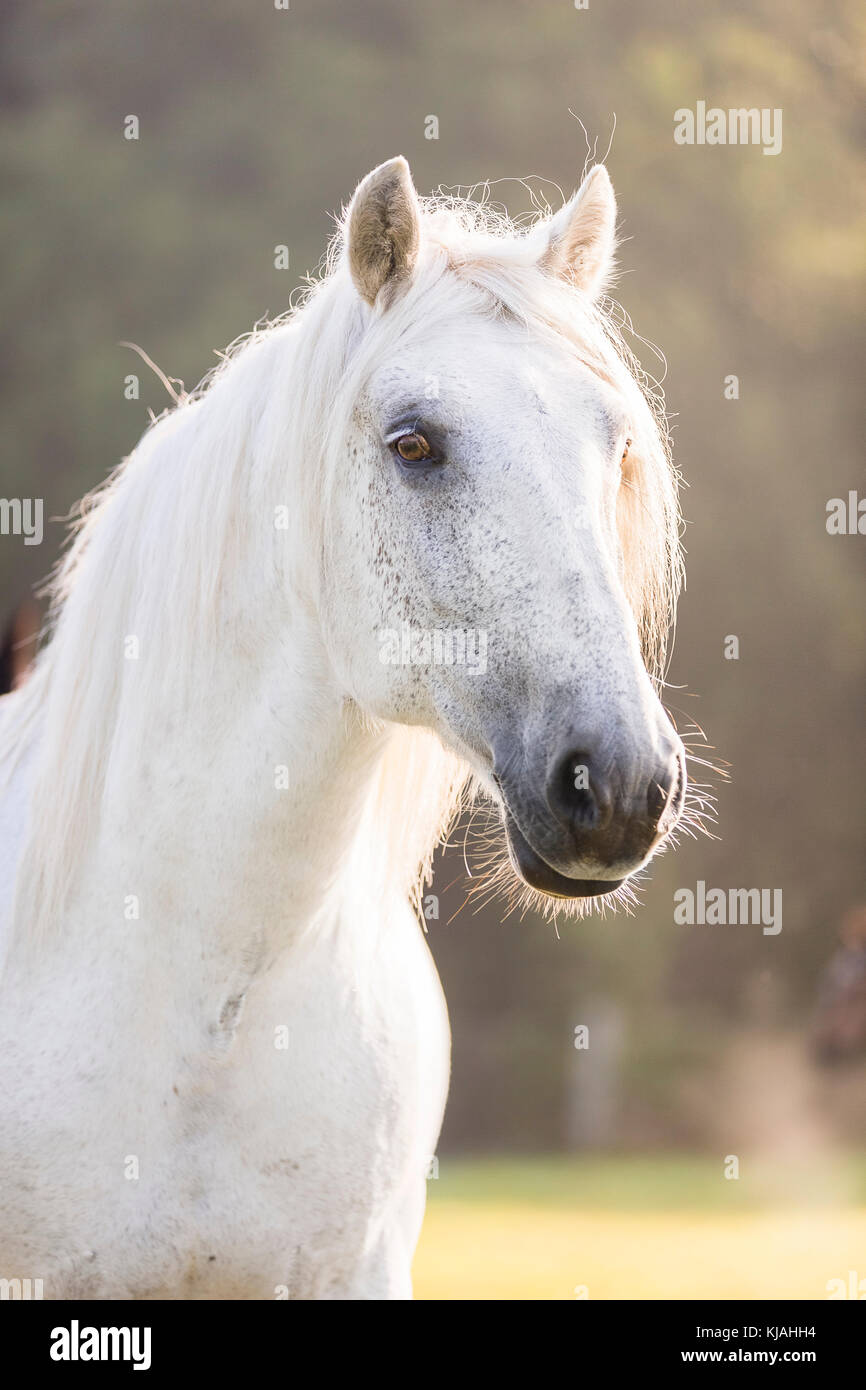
(581, 237)
(383, 229)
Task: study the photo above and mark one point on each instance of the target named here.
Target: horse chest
(268, 1162)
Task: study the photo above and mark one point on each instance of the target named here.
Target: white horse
(423, 531)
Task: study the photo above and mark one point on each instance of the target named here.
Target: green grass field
(623, 1227)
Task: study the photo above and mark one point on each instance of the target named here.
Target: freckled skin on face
(511, 532)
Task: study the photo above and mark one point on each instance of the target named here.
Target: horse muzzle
(599, 818)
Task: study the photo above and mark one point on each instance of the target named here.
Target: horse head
(501, 553)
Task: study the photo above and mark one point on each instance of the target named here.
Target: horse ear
(383, 229)
(582, 235)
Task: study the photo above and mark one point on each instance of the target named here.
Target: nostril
(584, 808)
(662, 790)
(573, 795)
(657, 797)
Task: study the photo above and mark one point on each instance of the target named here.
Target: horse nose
(612, 812)
(578, 795)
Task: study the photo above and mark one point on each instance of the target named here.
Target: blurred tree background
(255, 125)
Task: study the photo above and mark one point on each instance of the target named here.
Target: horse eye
(628, 444)
(413, 448)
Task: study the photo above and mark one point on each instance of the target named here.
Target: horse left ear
(582, 235)
(383, 229)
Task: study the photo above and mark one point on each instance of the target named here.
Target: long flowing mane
(158, 551)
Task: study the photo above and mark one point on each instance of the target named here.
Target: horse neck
(233, 828)
(263, 783)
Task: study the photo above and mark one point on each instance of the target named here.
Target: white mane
(161, 549)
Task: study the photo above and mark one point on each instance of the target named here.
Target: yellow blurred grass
(524, 1248)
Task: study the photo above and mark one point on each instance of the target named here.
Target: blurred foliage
(255, 125)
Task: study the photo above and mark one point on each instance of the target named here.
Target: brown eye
(625, 451)
(413, 448)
